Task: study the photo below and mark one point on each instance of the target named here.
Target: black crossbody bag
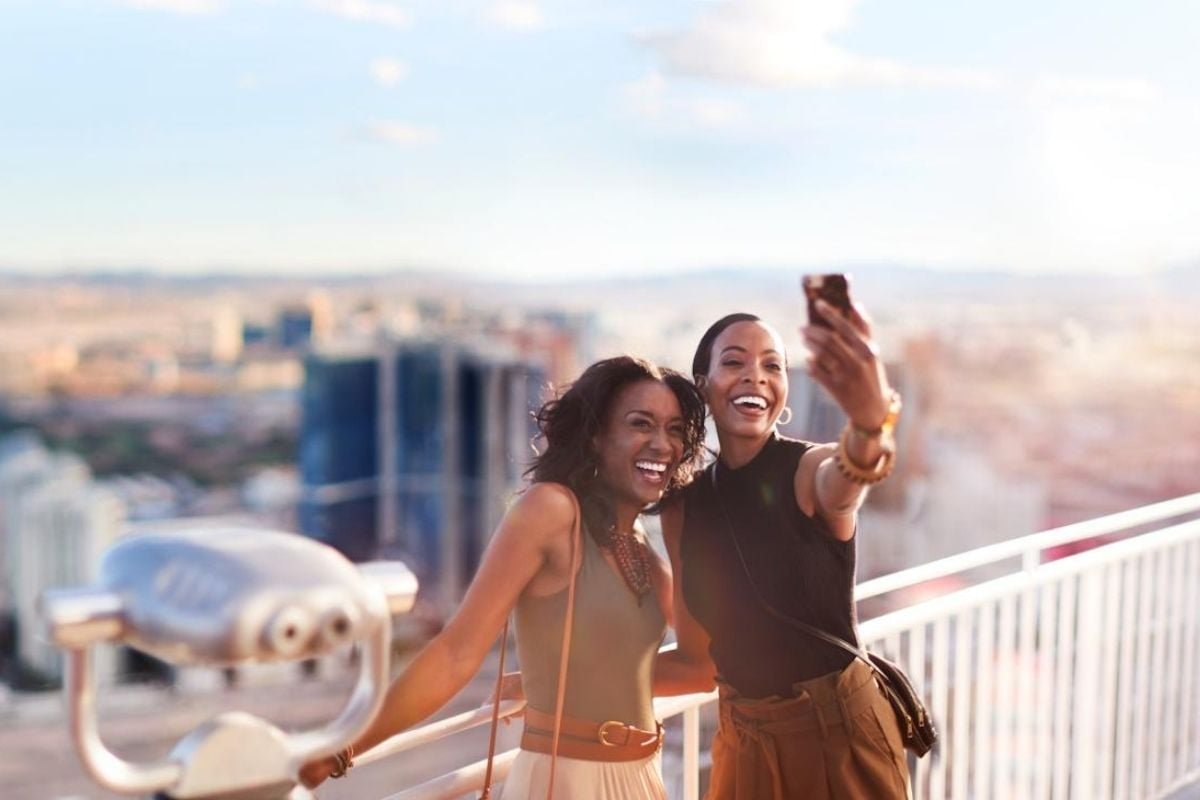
(916, 726)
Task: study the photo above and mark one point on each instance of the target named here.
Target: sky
(537, 139)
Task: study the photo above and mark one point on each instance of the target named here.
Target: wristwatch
(886, 429)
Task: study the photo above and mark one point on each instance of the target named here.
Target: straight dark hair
(569, 423)
(702, 360)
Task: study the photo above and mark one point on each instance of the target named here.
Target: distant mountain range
(871, 281)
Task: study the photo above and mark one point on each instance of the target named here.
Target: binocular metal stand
(218, 598)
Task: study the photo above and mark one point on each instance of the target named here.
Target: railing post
(691, 753)
(1085, 701)
(1031, 559)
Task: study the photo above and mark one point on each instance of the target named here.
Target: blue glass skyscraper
(411, 449)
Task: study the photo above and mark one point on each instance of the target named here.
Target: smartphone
(833, 288)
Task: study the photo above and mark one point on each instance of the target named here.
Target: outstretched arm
(534, 533)
(688, 668)
(845, 360)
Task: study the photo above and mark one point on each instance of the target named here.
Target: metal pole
(387, 445)
(451, 533)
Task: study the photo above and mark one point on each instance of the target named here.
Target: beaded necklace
(632, 560)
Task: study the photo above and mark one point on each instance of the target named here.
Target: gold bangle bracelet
(889, 421)
(856, 474)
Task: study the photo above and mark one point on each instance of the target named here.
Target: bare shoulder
(545, 512)
(806, 474)
(814, 455)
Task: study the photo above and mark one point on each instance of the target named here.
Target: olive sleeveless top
(797, 564)
(613, 644)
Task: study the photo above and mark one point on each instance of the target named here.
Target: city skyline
(526, 139)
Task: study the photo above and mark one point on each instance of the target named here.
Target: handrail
(415, 737)
(1031, 574)
(906, 618)
(1032, 544)
(469, 778)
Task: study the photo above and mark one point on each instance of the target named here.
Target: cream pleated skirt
(576, 779)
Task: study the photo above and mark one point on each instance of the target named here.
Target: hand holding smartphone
(833, 288)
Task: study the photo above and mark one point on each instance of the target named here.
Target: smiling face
(746, 386)
(641, 443)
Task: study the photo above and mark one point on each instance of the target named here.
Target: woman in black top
(798, 718)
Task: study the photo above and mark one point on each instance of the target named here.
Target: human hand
(844, 358)
(314, 773)
(511, 688)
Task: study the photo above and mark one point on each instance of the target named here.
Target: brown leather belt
(590, 741)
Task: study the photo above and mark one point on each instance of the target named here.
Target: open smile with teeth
(653, 471)
(750, 402)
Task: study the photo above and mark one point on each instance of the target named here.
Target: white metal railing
(1076, 678)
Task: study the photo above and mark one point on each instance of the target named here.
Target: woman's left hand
(845, 360)
(511, 688)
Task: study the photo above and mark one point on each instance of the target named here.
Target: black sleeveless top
(796, 563)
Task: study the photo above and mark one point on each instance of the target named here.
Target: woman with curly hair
(620, 438)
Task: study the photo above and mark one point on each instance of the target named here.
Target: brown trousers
(837, 739)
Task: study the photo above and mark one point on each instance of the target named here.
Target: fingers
(825, 372)
(861, 320)
(855, 331)
(829, 345)
(314, 774)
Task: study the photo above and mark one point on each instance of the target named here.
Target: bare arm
(689, 667)
(845, 361)
(664, 592)
(533, 538)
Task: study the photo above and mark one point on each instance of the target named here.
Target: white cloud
(401, 133)
(376, 11)
(517, 15)
(248, 82)
(654, 98)
(787, 43)
(388, 71)
(189, 7)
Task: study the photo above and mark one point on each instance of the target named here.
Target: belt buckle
(603, 727)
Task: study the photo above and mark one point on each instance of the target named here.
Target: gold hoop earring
(781, 420)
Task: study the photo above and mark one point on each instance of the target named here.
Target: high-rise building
(65, 525)
(411, 448)
(339, 439)
(295, 327)
(55, 523)
(24, 463)
(303, 324)
(227, 335)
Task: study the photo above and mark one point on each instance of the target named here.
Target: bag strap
(487, 775)
(576, 554)
(859, 653)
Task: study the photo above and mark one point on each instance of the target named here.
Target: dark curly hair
(569, 423)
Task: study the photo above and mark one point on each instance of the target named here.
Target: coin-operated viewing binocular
(219, 598)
